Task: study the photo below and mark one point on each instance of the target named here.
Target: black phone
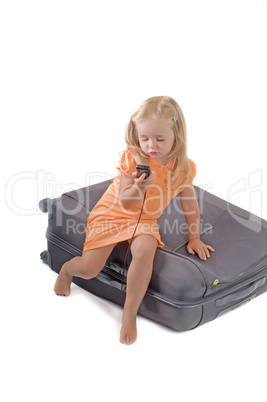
(143, 169)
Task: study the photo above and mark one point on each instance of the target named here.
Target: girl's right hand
(143, 183)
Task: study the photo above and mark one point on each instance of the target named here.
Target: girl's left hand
(197, 246)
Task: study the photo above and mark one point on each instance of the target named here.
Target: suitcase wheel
(46, 258)
(43, 204)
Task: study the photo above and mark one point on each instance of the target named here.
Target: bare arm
(192, 216)
(191, 212)
(132, 189)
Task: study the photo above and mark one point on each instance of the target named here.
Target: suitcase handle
(236, 296)
(240, 295)
(108, 280)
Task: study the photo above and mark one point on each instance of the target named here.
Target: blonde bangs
(162, 107)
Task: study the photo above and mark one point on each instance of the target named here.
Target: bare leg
(87, 266)
(143, 251)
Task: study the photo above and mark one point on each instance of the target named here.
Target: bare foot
(128, 334)
(62, 285)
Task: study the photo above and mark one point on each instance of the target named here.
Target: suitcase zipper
(64, 245)
(112, 276)
(227, 293)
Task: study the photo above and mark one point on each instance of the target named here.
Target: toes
(128, 332)
(127, 339)
(131, 340)
(122, 339)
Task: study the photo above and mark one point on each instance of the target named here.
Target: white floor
(71, 76)
(57, 348)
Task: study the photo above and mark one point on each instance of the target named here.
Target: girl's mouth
(152, 153)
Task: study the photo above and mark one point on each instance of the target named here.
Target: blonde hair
(162, 107)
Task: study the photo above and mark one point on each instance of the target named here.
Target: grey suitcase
(184, 291)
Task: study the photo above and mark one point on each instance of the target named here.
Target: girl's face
(156, 138)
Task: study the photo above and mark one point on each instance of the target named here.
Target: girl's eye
(146, 139)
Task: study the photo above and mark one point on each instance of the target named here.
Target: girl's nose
(151, 144)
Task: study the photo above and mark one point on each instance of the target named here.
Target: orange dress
(110, 223)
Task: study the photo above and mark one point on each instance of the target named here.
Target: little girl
(156, 136)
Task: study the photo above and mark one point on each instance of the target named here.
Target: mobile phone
(143, 169)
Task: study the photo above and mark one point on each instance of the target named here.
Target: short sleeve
(127, 162)
(191, 172)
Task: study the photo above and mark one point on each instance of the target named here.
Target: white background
(72, 73)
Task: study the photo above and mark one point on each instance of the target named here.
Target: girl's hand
(143, 183)
(197, 246)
